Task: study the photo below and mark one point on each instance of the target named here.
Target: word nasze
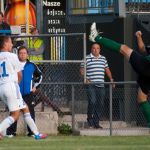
(51, 4)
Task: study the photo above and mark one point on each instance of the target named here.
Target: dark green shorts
(144, 84)
(142, 67)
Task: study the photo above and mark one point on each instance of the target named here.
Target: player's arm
(140, 42)
(19, 76)
(37, 77)
(17, 66)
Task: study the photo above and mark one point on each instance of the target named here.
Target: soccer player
(10, 75)
(140, 64)
(32, 78)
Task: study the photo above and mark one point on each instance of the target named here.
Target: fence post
(84, 53)
(110, 108)
(73, 105)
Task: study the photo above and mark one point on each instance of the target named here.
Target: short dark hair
(3, 39)
(22, 47)
(96, 43)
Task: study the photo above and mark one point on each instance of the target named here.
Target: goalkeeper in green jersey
(140, 63)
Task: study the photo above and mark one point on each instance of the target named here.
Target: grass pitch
(76, 143)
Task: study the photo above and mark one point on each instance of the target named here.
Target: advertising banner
(54, 16)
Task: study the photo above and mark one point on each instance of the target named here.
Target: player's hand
(138, 33)
(34, 89)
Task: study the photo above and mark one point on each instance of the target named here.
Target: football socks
(30, 122)
(7, 122)
(145, 107)
(107, 43)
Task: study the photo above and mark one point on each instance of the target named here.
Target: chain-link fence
(119, 112)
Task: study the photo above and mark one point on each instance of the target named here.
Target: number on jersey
(3, 69)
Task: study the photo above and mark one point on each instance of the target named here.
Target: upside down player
(140, 64)
(10, 75)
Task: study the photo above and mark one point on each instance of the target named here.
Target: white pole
(2, 6)
(27, 15)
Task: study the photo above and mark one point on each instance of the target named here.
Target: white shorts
(11, 96)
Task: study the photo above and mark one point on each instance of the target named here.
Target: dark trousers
(95, 104)
(30, 103)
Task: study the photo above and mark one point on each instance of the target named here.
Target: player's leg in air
(110, 44)
(138, 62)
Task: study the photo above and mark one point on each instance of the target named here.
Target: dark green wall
(113, 30)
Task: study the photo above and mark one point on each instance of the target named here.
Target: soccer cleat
(30, 135)
(93, 32)
(40, 136)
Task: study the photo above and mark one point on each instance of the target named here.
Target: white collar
(94, 56)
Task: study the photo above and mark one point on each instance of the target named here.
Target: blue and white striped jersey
(95, 68)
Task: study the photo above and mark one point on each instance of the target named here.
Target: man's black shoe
(30, 134)
(98, 127)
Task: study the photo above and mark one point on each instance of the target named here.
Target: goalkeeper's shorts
(142, 67)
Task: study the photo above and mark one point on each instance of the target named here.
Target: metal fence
(120, 112)
(71, 46)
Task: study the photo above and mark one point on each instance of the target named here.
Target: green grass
(76, 143)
